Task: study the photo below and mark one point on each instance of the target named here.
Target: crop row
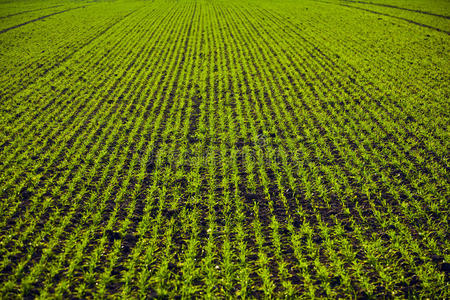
(212, 149)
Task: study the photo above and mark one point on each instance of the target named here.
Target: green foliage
(224, 149)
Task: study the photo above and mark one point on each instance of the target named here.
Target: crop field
(224, 149)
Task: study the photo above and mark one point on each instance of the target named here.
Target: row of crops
(221, 149)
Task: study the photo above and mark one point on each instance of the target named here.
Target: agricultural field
(224, 149)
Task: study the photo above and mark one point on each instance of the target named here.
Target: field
(224, 149)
